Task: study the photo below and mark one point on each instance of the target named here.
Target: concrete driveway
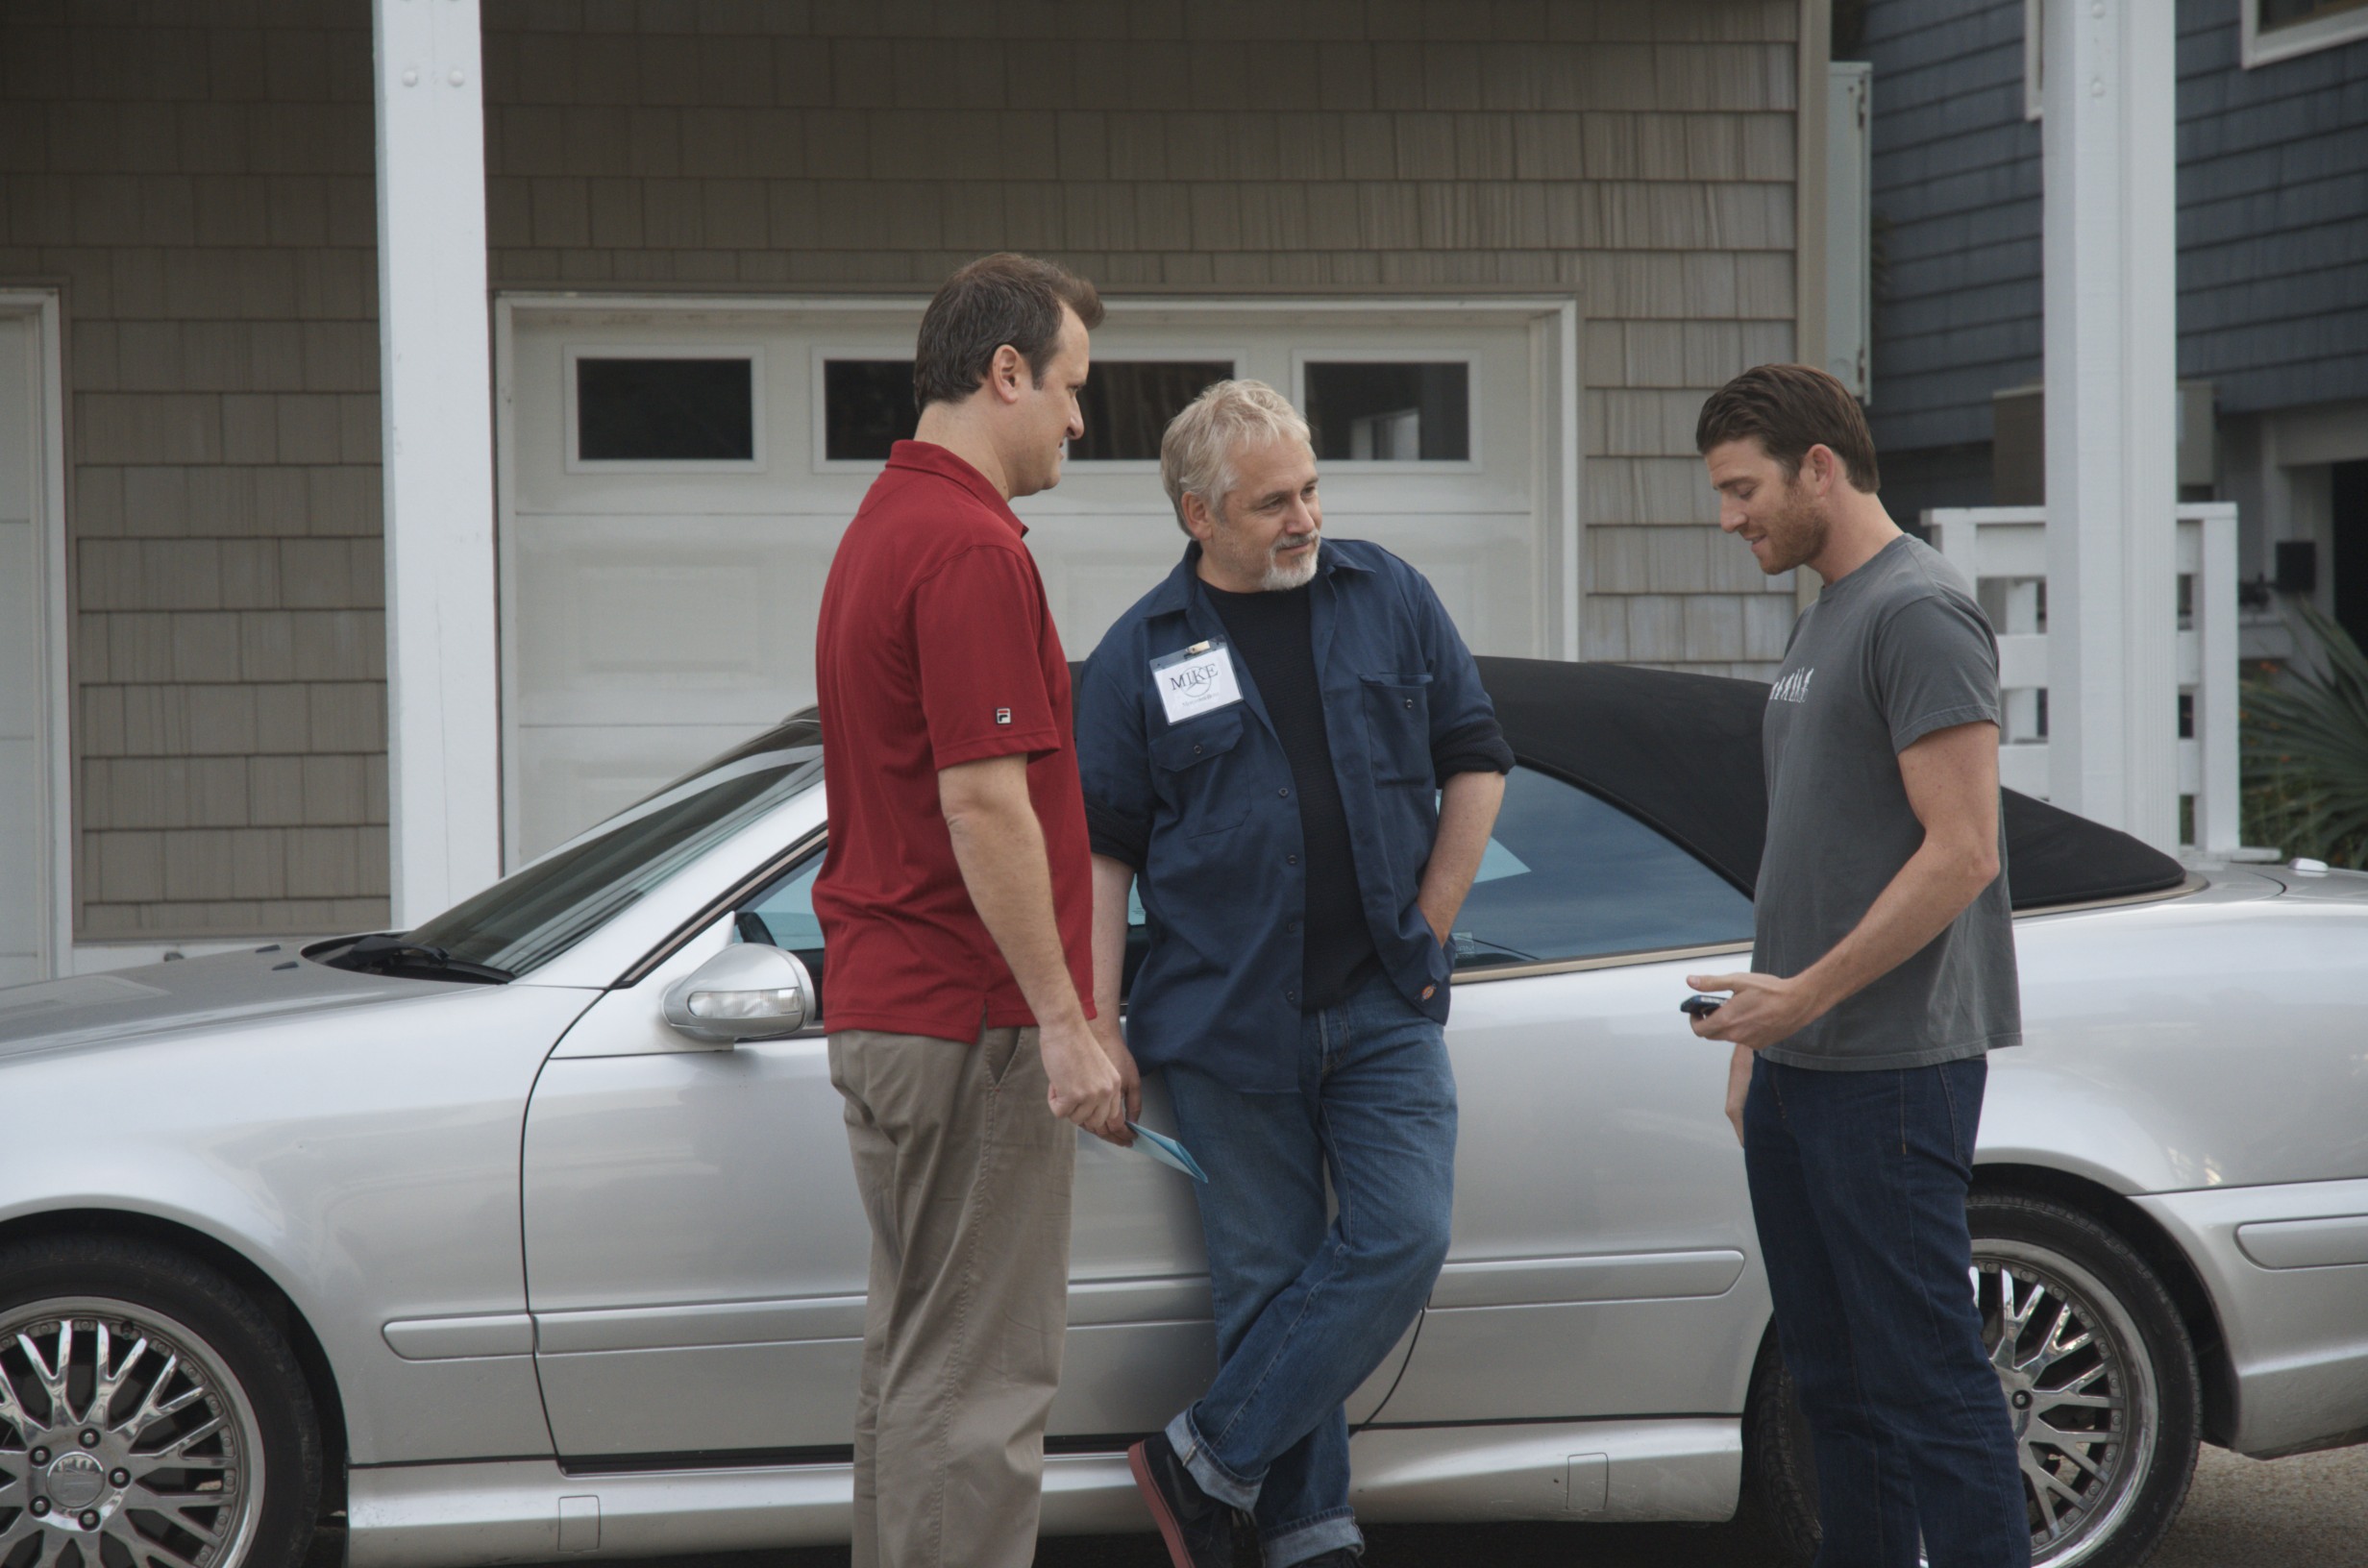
(2242, 1514)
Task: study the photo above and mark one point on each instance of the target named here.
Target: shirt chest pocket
(1196, 769)
(1397, 721)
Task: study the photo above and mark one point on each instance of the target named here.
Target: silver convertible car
(530, 1233)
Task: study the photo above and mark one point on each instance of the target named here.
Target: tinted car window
(537, 913)
(1568, 875)
(782, 915)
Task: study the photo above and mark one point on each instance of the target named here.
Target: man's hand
(1739, 1086)
(1086, 1087)
(1467, 808)
(1000, 848)
(1112, 880)
(1113, 1045)
(1764, 1010)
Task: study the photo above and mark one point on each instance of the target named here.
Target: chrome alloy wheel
(2082, 1395)
(124, 1442)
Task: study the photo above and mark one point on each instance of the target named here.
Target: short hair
(1790, 408)
(1196, 455)
(998, 299)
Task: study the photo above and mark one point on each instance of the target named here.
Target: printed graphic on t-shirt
(1792, 688)
(1002, 715)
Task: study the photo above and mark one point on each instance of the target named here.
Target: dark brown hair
(1790, 408)
(998, 299)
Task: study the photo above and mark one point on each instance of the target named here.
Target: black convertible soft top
(1681, 752)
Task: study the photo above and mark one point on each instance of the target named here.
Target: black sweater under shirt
(1273, 634)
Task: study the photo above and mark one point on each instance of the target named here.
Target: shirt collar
(1172, 595)
(928, 457)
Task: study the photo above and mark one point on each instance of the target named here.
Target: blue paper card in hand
(1167, 1151)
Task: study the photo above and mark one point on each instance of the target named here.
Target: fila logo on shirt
(1793, 687)
(1002, 715)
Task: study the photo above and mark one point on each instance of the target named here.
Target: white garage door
(676, 476)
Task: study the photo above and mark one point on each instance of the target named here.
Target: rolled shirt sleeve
(1466, 737)
(976, 638)
(1936, 666)
(1113, 760)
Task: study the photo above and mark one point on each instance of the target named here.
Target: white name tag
(1197, 680)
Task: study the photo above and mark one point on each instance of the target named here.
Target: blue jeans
(1306, 1310)
(1857, 1188)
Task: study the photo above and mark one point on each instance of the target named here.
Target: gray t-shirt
(1893, 651)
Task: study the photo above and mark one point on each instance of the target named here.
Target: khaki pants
(965, 1173)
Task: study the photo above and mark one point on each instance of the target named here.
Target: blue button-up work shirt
(1222, 877)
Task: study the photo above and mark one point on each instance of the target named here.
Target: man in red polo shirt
(956, 905)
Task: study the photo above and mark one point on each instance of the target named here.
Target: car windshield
(532, 916)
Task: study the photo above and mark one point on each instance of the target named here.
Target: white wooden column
(2110, 254)
(435, 377)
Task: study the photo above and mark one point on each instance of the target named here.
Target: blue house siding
(1955, 198)
(2273, 220)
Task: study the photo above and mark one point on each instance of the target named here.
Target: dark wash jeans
(1305, 1310)
(1857, 1188)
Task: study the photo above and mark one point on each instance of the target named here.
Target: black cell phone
(1699, 1006)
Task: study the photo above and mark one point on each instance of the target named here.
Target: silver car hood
(190, 995)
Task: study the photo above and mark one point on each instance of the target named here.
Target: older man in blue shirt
(1288, 743)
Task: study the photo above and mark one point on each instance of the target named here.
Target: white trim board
(45, 400)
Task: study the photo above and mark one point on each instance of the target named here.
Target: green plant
(2306, 751)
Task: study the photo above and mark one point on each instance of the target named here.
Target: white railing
(2004, 551)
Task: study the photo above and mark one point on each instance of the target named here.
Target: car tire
(2088, 1313)
(1780, 1468)
(206, 1450)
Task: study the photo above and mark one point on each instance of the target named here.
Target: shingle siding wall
(204, 197)
(199, 182)
(2273, 218)
(1955, 198)
(1637, 155)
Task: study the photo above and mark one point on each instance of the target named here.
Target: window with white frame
(2278, 29)
(664, 409)
(1384, 408)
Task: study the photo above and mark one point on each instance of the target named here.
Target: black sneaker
(1198, 1528)
(1340, 1556)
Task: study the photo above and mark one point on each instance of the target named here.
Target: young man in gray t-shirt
(1883, 973)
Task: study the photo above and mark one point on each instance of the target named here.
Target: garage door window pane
(868, 405)
(665, 410)
(867, 409)
(1568, 875)
(1129, 403)
(1366, 411)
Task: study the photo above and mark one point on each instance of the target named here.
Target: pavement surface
(2310, 1512)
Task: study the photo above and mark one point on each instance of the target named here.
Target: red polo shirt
(936, 648)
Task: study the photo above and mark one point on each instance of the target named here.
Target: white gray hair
(1195, 457)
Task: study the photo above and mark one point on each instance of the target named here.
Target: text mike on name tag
(1195, 681)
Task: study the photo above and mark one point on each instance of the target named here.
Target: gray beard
(1282, 578)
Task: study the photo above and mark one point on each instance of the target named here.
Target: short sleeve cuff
(1030, 742)
(1475, 749)
(1945, 719)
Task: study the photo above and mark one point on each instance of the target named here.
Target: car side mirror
(746, 992)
